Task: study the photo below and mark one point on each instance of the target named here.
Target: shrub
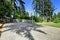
(17, 16)
(34, 18)
(40, 19)
(37, 19)
(22, 17)
(56, 20)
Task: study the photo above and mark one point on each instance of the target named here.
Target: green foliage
(24, 17)
(56, 20)
(43, 7)
(8, 7)
(58, 14)
(37, 19)
(22, 7)
(5, 7)
(34, 18)
(18, 16)
(41, 19)
(53, 17)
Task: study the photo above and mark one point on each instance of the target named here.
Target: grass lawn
(50, 24)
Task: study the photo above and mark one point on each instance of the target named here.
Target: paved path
(25, 31)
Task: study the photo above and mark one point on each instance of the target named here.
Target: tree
(58, 14)
(56, 18)
(5, 8)
(37, 4)
(44, 8)
(18, 10)
(47, 9)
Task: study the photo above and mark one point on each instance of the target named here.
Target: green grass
(50, 24)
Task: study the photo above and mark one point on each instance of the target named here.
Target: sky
(28, 5)
(29, 8)
(56, 3)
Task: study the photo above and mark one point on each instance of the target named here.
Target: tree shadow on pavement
(24, 28)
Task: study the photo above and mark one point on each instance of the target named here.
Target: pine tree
(44, 8)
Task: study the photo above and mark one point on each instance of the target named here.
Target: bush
(26, 17)
(37, 19)
(34, 18)
(56, 20)
(22, 17)
(40, 19)
(17, 16)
